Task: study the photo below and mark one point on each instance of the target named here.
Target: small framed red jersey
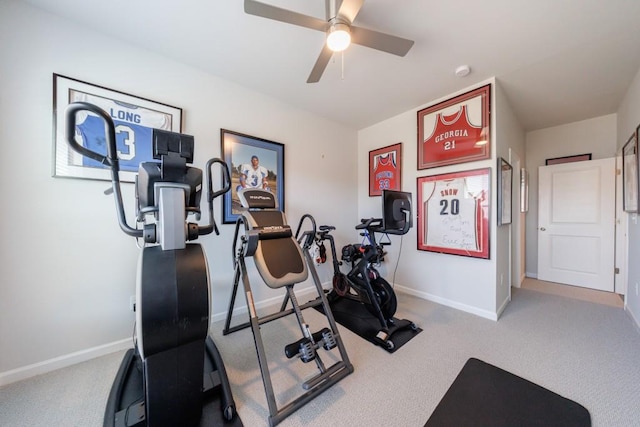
(453, 213)
(456, 130)
(385, 172)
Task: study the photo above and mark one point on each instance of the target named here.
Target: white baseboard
(39, 368)
(502, 307)
(45, 366)
(453, 304)
(635, 321)
(531, 275)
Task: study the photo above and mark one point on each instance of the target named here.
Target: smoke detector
(463, 71)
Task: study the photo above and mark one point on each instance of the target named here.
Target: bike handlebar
(307, 236)
(366, 223)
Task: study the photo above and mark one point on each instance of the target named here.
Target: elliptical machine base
(125, 405)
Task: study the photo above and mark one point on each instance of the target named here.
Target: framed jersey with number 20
(456, 130)
(453, 213)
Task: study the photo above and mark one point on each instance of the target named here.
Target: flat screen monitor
(396, 211)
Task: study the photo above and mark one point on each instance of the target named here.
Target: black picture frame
(238, 150)
(505, 188)
(133, 116)
(568, 159)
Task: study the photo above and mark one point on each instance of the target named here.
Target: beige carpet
(583, 351)
(584, 294)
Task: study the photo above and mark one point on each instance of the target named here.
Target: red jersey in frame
(456, 130)
(384, 169)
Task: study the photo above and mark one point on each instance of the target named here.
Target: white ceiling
(559, 61)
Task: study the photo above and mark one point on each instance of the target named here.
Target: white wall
(510, 144)
(67, 271)
(596, 136)
(628, 121)
(465, 283)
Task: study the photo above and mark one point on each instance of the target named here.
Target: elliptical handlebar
(226, 186)
(110, 160)
(226, 179)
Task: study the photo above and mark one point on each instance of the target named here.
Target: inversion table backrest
(278, 257)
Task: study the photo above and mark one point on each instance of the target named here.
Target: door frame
(621, 235)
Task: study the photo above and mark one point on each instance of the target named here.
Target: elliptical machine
(175, 375)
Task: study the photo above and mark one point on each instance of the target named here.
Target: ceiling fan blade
(321, 64)
(283, 15)
(349, 9)
(380, 41)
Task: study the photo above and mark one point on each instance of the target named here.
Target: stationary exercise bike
(175, 375)
(362, 300)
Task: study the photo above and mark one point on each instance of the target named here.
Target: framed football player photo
(453, 213)
(456, 130)
(253, 163)
(385, 169)
(134, 119)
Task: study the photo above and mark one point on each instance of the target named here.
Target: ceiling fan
(338, 27)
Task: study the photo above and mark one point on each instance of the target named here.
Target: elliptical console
(175, 373)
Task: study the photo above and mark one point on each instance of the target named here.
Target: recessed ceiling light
(463, 71)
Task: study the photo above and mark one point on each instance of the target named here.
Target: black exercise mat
(354, 316)
(484, 395)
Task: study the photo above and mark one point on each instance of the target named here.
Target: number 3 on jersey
(129, 139)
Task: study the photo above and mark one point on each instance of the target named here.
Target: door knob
(542, 229)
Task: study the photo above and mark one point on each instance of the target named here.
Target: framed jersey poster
(453, 213)
(134, 119)
(456, 130)
(385, 169)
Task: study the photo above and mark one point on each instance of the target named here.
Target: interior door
(576, 223)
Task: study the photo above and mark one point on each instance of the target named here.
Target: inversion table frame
(265, 230)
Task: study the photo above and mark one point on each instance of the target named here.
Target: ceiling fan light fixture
(339, 37)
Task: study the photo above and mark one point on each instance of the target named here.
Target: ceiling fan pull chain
(342, 64)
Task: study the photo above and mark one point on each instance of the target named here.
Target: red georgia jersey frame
(456, 130)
